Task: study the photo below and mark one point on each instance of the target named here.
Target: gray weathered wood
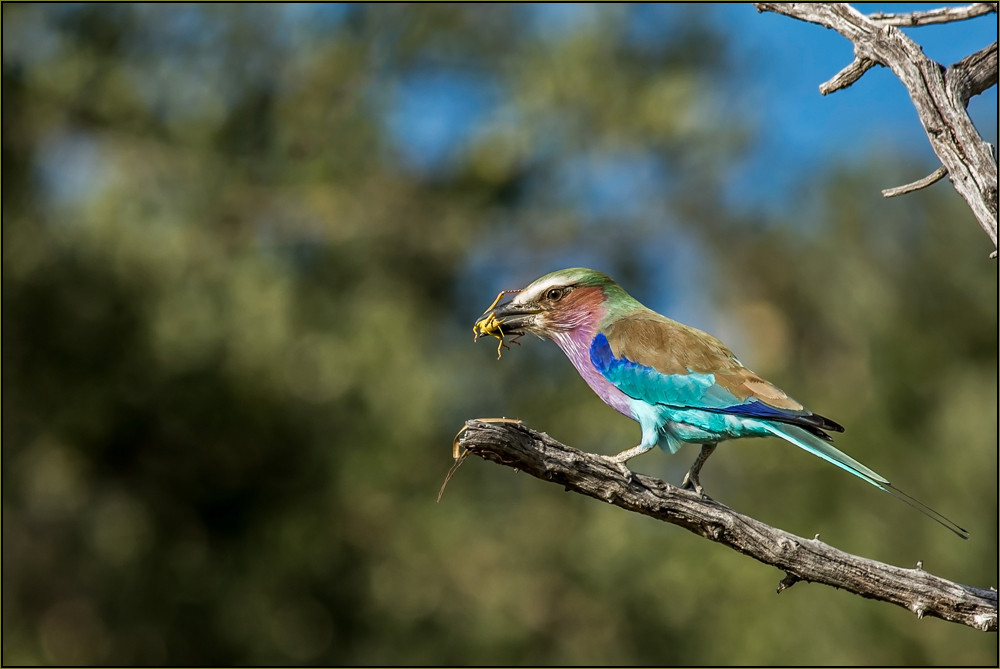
(847, 76)
(539, 455)
(973, 74)
(928, 180)
(939, 94)
(933, 16)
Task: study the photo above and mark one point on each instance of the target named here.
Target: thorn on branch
(787, 582)
(847, 76)
(928, 180)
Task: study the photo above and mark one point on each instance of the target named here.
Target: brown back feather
(670, 347)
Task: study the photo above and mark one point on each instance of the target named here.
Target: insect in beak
(490, 325)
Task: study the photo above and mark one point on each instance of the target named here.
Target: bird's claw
(622, 469)
(692, 483)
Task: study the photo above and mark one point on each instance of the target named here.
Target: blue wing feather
(693, 390)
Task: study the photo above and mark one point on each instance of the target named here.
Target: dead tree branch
(942, 15)
(928, 180)
(535, 453)
(847, 76)
(974, 74)
(940, 95)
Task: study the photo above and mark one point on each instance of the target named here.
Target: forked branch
(939, 94)
(922, 593)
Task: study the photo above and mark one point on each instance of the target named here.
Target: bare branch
(924, 594)
(931, 178)
(973, 74)
(939, 97)
(942, 15)
(847, 76)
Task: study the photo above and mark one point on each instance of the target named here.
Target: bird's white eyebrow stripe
(531, 295)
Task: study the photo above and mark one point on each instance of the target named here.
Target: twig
(939, 95)
(847, 76)
(787, 582)
(931, 178)
(801, 559)
(942, 15)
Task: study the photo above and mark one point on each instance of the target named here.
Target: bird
(682, 385)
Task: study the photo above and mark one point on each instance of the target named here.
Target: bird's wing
(660, 361)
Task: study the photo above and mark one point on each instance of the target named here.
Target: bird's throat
(576, 345)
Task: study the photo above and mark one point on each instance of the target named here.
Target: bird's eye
(554, 294)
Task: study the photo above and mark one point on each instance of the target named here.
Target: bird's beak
(516, 319)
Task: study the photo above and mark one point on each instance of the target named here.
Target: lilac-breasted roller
(682, 385)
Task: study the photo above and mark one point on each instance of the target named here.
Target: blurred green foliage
(236, 345)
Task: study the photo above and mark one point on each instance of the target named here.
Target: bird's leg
(691, 481)
(618, 461)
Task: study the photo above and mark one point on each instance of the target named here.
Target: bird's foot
(618, 461)
(620, 467)
(691, 482)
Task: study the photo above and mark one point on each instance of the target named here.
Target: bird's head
(562, 301)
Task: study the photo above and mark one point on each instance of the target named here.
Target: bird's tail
(820, 448)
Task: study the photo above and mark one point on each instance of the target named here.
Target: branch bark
(924, 594)
(974, 74)
(928, 180)
(940, 95)
(847, 76)
(942, 15)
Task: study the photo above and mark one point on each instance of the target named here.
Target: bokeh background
(243, 248)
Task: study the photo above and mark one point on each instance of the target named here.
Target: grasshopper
(489, 325)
